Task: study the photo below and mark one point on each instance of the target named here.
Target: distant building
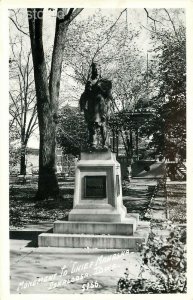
(32, 160)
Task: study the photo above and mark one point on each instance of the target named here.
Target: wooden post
(117, 134)
(131, 143)
(137, 141)
(113, 131)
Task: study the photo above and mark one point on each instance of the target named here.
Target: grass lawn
(25, 210)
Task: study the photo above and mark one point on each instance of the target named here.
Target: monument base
(98, 193)
(100, 235)
(98, 218)
(97, 215)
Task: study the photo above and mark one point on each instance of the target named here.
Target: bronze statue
(96, 104)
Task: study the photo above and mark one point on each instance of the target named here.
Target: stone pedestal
(98, 193)
(98, 218)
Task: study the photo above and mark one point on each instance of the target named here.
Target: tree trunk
(131, 144)
(48, 93)
(22, 160)
(47, 183)
(113, 132)
(117, 145)
(23, 153)
(125, 143)
(137, 142)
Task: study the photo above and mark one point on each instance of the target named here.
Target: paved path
(103, 267)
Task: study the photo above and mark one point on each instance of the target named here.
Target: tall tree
(168, 78)
(47, 92)
(22, 104)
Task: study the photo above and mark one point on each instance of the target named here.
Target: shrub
(165, 259)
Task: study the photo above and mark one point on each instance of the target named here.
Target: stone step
(124, 228)
(96, 241)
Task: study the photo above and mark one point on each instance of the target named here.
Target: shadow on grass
(64, 203)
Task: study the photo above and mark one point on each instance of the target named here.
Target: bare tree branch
(73, 13)
(23, 96)
(151, 18)
(17, 26)
(172, 23)
(33, 115)
(111, 27)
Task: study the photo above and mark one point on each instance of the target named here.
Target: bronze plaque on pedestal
(95, 187)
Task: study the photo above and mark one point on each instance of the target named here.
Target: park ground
(154, 200)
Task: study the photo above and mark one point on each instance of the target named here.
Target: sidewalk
(38, 270)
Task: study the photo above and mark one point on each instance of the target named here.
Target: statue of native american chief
(96, 102)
